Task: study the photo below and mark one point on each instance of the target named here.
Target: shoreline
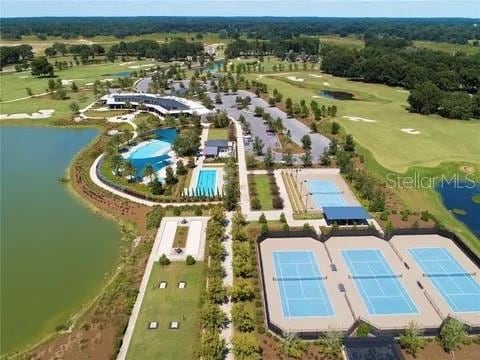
(123, 225)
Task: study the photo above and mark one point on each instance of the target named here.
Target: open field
(217, 134)
(165, 305)
(452, 140)
(13, 85)
(61, 107)
(348, 41)
(447, 47)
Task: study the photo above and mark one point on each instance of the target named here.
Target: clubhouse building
(161, 105)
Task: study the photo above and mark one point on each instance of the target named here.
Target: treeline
(177, 49)
(15, 54)
(449, 30)
(279, 48)
(453, 79)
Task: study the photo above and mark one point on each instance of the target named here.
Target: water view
(459, 200)
(55, 252)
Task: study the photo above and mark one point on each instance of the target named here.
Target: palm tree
(129, 171)
(117, 161)
(149, 172)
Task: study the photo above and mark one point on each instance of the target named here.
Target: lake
(337, 95)
(55, 251)
(460, 197)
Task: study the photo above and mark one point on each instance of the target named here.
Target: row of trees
(278, 47)
(15, 54)
(449, 30)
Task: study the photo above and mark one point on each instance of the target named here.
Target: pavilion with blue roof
(345, 215)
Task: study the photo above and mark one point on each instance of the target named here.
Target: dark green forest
(448, 30)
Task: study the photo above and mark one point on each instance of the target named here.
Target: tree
(216, 291)
(212, 346)
(307, 159)
(292, 346)
(268, 158)
(29, 91)
(181, 170)
(164, 260)
(213, 317)
(306, 142)
(331, 344)
(335, 128)
(262, 219)
(241, 318)
(325, 158)
(452, 335)
(41, 67)
(349, 143)
(258, 145)
(156, 186)
(74, 107)
(425, 98)
(242, 290)
(149, 172)
(411, 340)
(288, 158)
(74, 87)
(363, 330)
(169, 176)
(129, 171)
(245, 347)
(187, 143)
(116, 162)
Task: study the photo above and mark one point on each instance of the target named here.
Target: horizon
(389, 9)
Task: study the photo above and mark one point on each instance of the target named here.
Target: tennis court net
(382, 276)
(449, 274)
(299, 278)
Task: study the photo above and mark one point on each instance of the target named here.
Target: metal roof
(216, 143)
(211, 150)
(345, 213)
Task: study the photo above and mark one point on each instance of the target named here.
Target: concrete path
(96, 180)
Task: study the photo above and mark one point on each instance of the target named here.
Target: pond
(120, 74)
(337, 95)
(55, 251)
(458, 198)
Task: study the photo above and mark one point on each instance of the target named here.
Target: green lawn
(13, 85)
(61, 107)
(180, 239)
(165, 305)
(440, 139)
(263, 190)
(217, 134)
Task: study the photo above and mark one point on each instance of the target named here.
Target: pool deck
(342, 318)
(196, 174)
(332, 175)
(426, 316)
(401, 243)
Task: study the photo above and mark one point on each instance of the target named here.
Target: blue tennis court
(300, 283)
(379, 287)
(457, 287)
(325, 193)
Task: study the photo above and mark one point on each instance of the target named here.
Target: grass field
(452, 140)
(263, 190)
(13, 85)
(180, 237)
(165, 305)
(61, 107)
(447, 47)
(217, 134)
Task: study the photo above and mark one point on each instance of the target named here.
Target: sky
(320, 8)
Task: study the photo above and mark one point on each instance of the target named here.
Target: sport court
(325, 193)
(300, 284)
(458, 287)
(380, 289)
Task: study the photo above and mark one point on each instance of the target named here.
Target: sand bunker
(41, 114)
(69, 81)
(315, 76)
(411, 131)
(24, 76)
(358, 118)
(140, 66)
(294, 78)
(326, 83)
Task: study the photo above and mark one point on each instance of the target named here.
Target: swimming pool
(153, 152)
(207, 182)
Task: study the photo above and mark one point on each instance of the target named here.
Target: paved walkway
(227, 332)
(96, 180)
